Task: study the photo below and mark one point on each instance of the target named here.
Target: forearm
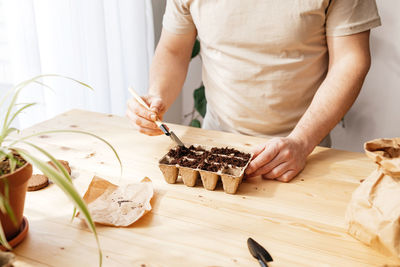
(168, 71)
(333, 99)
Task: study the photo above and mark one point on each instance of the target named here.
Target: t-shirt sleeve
(177, 18)
(345, 17)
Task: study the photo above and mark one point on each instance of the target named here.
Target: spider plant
(9, 149)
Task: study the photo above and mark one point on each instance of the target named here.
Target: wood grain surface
(300, 223)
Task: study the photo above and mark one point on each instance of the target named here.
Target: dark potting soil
(210, 166)
(224, 150)
(178, 152)
(213, 160)
(230, 152)
(5, 164)
(198, 156)
(189, 163)
(172, 162)
(238, 162)
(194, 155)
(244, 156)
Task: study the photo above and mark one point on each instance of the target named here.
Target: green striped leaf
(65, 184)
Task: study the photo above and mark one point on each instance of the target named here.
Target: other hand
(142, 118)
(280, 159)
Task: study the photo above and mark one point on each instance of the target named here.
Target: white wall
(376, 112)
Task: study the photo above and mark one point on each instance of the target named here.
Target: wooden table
(300, 223)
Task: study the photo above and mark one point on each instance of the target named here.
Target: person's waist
(254, 125)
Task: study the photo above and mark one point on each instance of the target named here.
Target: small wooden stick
(138, 98)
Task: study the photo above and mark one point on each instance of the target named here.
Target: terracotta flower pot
(17, 184)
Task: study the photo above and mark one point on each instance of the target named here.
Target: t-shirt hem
(353, 29)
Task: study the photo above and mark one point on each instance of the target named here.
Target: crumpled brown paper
(114, 205)
(373, 214)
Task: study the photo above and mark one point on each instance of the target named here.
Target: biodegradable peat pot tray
(210, 163)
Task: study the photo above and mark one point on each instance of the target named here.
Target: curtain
(107, 44)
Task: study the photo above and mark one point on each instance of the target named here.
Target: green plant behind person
(199, 97)
(8, 149)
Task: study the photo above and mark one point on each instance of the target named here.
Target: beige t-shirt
(263, 60)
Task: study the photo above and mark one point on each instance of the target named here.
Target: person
(289, 69)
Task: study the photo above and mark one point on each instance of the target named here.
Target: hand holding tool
(161, 125)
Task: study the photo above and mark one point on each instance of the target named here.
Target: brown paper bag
(114, 205)
(373, 214)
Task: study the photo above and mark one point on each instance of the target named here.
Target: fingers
(141, 111)
(144, 119)
(274, 166)
(276, 171)
(143, 125)
(157, 106)
(280, 159)
(150, 132)
(287, 176)
(260, 148)
(140, 121)
(269, 152)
